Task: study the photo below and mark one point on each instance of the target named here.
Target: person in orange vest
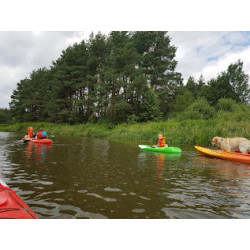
(161, 142)
(31, 132)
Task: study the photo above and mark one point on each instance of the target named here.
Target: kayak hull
(166, 150)
(42, 141)
(12, 206)
(233, 156)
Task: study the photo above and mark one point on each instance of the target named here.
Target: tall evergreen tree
(158, 65)
(107, 77)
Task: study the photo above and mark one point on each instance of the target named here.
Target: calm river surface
(92, 178)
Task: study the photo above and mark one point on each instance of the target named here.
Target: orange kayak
(233, 156)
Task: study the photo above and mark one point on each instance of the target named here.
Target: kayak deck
(11, 206)
(233, 156)
(169, 150)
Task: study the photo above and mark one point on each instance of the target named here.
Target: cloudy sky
(206, 53)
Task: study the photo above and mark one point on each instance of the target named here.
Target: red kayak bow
(11, 206)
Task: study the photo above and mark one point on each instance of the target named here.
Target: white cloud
(209, 53)
(212, 69)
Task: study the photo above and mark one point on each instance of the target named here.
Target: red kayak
(11, 206)
(42, 141)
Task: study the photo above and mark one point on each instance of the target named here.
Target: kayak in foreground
(233, 156)
(11, 206)
(169, 150)
(39, 141)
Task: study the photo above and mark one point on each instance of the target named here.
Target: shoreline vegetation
(125, 86)
(124, 77)
(187, 132)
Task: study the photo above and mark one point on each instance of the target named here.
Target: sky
(207, 53)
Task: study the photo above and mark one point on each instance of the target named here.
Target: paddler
(31, 132)
(161, 142)
(42, 134)
(30, 135)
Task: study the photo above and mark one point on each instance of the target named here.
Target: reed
(187, 132)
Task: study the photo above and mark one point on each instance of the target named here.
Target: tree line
(119, 77)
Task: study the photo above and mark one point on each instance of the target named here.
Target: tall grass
(187, 132)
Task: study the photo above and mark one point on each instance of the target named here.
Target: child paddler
(31, 132)
(161, 142)
(30, 135)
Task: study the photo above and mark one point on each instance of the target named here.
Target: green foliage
(219, 88)
(187, 132)
(104, 78)
(133, 119)
(199, 110)
(183, 101)
(239, 81)
(122, 110)
(231, 84)
(125, 77)
(150, 108)
(5, 116)
(226, 105)
(240, 112)
(195, 87)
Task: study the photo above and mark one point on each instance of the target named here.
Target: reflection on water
(92, 178)
(39, 151)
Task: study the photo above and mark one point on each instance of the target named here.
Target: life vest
(31, 132)
(161, 142)
(40, 135)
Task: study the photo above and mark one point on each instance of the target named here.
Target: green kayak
(167, 150)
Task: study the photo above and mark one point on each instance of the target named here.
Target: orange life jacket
(161, 142)
(40, 135)
(30, 132)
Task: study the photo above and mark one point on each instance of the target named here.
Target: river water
(93, 178)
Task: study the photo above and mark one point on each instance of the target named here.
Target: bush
(133, 119)
(183, 101)
(241, 112)
(199, 110)
(225, 104)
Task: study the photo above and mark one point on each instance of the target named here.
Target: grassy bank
(189, 132)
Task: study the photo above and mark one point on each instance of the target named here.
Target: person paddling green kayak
(162, 147)
(161, 142)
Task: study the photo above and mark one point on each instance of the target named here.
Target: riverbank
(189, 132)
